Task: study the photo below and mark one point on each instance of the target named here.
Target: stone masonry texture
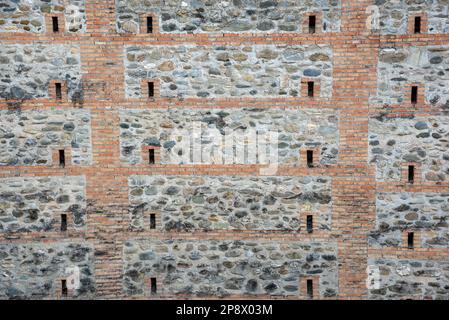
(115, 164)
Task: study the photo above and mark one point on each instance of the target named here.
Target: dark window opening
(149, 24)
(312, 24)
(152, 221)
(414, 97)
(153, 286)
(417, 28)
(150, 89)
(62, 158)
(310, 87)
(64, 289)
(63, 222)
(58, 90)
(310, 158)
(54, 21)
(411, 174)
(310, 288)
(151, 156)
(410, 240)
(309, 224)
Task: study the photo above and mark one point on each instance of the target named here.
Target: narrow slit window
(153, 286)
(63, 222)
(55, 24)
(64, 289)
(411, 174)
(411, 240)
(414, 97)
(310, 224)
(417, 26)
(312, 24)
(62, 158)
(310, 288)
(152, 221)
(151, 156)
(310, 158)
(58, 90)
(310, 88)
(150, 89)
(149, 24)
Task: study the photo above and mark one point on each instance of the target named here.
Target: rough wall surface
(237, 16)
(28, 138)
(395, 15)
(297, 129)
(228, 71)
(425, 67)
(265, 203)
(220, 268)
(34, 271)
(25, 70)
(423, 141)
(34, 204)
(29, 16)
(411, 279)
(417, 212)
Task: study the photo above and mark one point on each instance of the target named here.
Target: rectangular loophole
(151, 156)
(153, 286)
(310, 88)
(55, 23)
(63, 222)
(309, 223)
(150, 89)
(417, 25)
(61, 158)
(149, 24)
(312, 24)
(310, 288)
(411, 240)
(310, 158)
(411, 174)
(414, 95)
(152, 221)
(64, 290)
(58, 90)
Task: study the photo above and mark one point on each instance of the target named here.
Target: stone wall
(242, 203)
(29, 137)
(25, 70)
(220, 268)
(29, 15)
(421, 140)
(425, 67)
(411, 279)
(236, 16)
(423, 213)
(33, 271)
(35, 204)
(298, 130)
(228, 71)
(395, 15)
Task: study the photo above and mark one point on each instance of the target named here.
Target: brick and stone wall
(422, 213)
(237, 16)
(228, 71)
(221, 268)
(30, 15)
(35, 271)
(30, 204)
(241, 203)
(421, 140)
(410, 279)
(29, 138)
(298, 130)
